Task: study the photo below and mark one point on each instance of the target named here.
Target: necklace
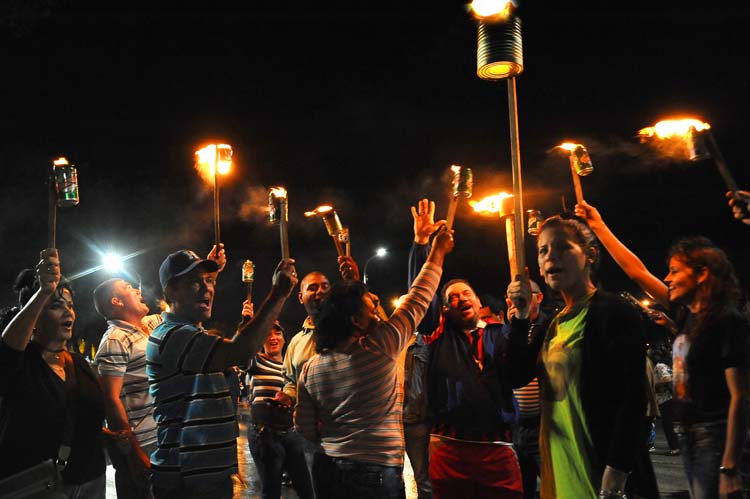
(55, 353)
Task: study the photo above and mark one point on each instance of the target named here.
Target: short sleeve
(112, 358)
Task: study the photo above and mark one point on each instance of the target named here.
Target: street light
(379, 253)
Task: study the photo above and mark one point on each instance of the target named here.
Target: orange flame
(278, 192)
(491, 204)
(673, 128)
(320, 210)
(207, 160)
(490, 8)
(568, 146)
(61, 161)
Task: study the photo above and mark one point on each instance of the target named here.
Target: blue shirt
(196, 423)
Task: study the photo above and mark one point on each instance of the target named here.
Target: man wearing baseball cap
(196, 451)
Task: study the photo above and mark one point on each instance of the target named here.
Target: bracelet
(612, 494)
(728, 470)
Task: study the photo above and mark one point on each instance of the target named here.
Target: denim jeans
(273, 451)
(337, 478)
(702, 447)
(417, 440)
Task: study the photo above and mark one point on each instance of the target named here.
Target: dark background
(364, 107)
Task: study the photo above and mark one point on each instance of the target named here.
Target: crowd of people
(530, 401)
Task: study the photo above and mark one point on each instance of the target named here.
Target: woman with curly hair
(709, 354)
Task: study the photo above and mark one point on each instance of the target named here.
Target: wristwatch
(728, 470)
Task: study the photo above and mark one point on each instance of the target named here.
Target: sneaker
(674, 452)
(652, 449)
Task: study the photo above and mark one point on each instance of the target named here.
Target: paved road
(668, 469)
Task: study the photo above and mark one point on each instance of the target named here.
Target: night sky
(364, 108)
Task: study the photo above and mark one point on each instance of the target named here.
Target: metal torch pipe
(452, 205)
(515, 148)
(513, 254)
(217, 215)
(721, 164)
(250, 291)
(576, 180)
(52, 214)
(284, 235)
(339, 248)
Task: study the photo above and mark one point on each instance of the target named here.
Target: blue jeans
(273, 451)
(417, 440)
(702, 447)
(337, 478)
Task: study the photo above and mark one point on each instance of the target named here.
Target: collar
(308, 326)
(123, 325)
(480, 325)
(174, 318)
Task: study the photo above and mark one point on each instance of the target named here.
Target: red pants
(461, 470)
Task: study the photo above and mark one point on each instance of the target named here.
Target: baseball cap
(180, 263)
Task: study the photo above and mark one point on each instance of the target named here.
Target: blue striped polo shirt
(196, 424)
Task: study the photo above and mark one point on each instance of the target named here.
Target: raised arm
(626, 259)
(251, 335)
(424, 227)
(18, 332)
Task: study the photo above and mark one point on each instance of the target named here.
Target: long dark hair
(720, 292)
(333, 321)
(25, 286)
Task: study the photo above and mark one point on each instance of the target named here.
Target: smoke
(254, 205)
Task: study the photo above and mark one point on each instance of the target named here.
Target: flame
(396, 302)
(569, 146)
(320, 210)
(673, 128)
(490, 204)
(491, 8)
(645, 303)
(207, 160)
(61, 161)
(455, 169)
(278, 192)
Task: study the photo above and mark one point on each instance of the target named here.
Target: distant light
(396, 302)
(112, 262)
(381, 252)
(645, 303)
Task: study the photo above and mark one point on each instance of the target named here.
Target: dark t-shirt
(700, 388)
(33, 412)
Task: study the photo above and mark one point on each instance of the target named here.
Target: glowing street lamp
(112, 262)
(500, 57)
(379, 253)
(212, 160)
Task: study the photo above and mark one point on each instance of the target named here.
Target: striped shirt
(122, 353)
(351, 394)
(266, 380)
(529, 406)
(298, 352)
(196, 423)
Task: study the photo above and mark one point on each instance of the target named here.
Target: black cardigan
(613, 384)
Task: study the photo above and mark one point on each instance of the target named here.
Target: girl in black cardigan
(591, 366)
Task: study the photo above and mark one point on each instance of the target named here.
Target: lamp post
(500, 57)
(379, 253)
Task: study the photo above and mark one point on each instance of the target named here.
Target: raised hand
(285, 277)
(424, 221)
(348, 268)
(519, 295)
(48, 271)
(220, 258)
(740, 203)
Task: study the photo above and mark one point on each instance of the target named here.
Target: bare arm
(621, 254)
(117, 416)
(736, 382)
(18, 332)
(251, 335)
